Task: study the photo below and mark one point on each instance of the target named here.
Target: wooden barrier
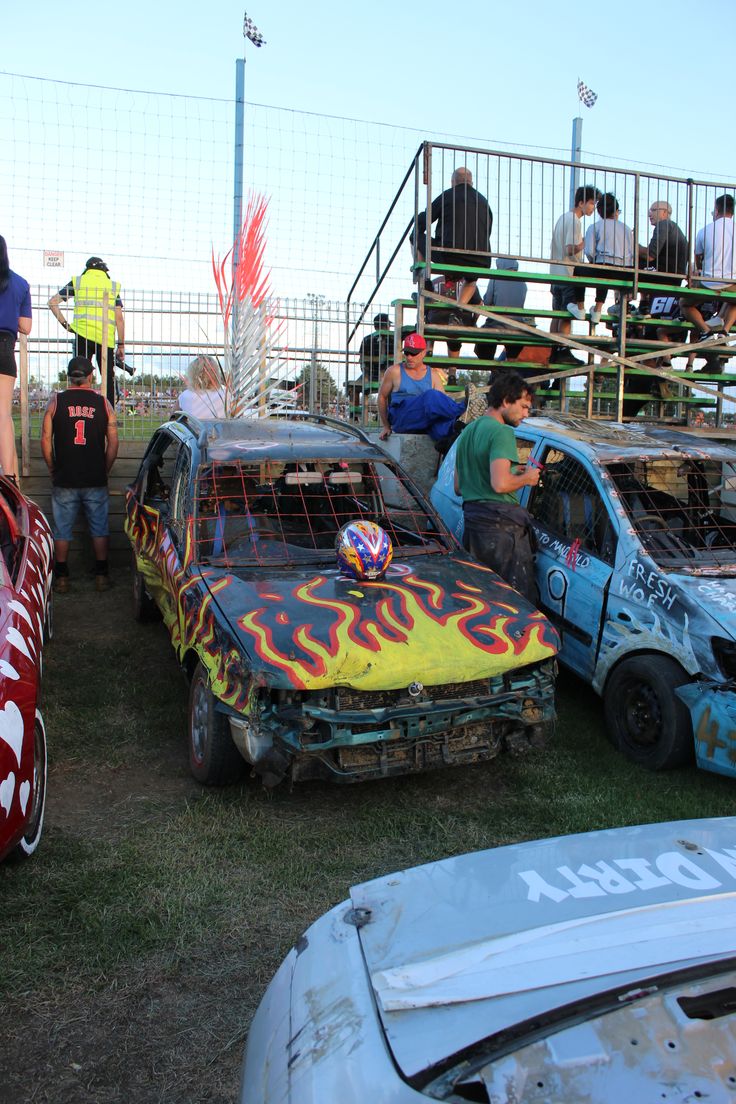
(37, 486)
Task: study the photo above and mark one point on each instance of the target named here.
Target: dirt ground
(156, 1032)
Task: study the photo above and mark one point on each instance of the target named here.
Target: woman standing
(15, 315)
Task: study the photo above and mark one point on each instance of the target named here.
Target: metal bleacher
(617, 365)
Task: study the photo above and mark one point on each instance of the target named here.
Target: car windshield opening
(284, 512)
(682, 507)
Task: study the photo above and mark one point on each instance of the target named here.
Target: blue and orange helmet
(364, 550)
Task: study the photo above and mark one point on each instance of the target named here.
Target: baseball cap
(79, 368)
(96, 262)
(415, 342)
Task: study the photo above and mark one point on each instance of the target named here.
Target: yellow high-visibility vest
(89, 289)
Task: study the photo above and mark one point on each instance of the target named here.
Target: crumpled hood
(435, 619)
(463, 948)
(712, 595)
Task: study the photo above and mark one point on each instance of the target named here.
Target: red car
(26, 556)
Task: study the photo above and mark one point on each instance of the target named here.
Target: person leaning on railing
(88, 325)
(15, 317)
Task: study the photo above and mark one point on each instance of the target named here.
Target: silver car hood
(462, 949)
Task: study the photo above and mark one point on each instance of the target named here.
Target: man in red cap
(412, 396)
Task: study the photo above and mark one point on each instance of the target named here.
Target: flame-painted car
(598, 967)
(636, 567)
(25, 621)
(295, 668)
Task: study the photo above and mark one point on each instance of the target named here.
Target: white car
(596, 967)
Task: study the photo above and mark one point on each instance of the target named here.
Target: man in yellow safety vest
(91, 325)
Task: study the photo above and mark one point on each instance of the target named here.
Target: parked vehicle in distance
(299, 670)
(26, 557)
(636, 567)
(596, 967)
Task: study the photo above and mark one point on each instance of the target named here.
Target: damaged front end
(350, 735)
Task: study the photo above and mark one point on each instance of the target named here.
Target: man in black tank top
(79, 442)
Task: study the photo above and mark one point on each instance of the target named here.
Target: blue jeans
(65, 503)
(431, 412)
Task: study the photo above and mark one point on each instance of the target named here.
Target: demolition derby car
(597, 967)
(25, 620)
(298, 667)
(636, 567)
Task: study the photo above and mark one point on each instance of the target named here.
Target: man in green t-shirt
(488, 476)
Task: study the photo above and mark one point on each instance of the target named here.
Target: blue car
(636, 567)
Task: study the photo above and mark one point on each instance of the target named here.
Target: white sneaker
(576, 312)
(594, 316)
(715, 323)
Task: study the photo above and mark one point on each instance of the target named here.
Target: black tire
(144, 607)
(214, 759)
(48, 624)
(645, 720)
(37, 798)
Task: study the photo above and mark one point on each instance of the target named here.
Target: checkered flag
(251, 31)
(586, 95)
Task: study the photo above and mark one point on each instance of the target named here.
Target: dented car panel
(576, 968)
(636, 562)
(439, 662)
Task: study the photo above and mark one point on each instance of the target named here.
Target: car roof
(608, 441)
(294, 437)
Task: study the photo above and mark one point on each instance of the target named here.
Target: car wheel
(646, 721)
(144, 607)
(48, 624)
(37, 797)
(214, 759)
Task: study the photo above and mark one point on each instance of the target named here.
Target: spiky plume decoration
(251, 356)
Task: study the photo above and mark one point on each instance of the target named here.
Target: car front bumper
(712, 708)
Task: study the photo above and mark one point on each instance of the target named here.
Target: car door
(174, 537)
(149, 517)
(576, 549)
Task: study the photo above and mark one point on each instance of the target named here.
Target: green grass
(143, 874)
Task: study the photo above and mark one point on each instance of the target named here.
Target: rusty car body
(636, 567)
(301, 671)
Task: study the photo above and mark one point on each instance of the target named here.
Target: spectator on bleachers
(464, 222)
(204, 395)
(667, 252)
(438, 315)
(500, 294)
(376, 351)
(607, 242)
(412, 396)
(565, 249)
(716, 264)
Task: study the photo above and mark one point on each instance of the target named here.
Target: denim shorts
(65, 503)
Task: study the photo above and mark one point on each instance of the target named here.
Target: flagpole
(575, 156)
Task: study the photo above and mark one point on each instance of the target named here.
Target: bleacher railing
(527, 195)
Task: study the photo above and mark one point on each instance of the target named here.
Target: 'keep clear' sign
(53, 258)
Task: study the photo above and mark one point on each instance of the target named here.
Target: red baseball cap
(415, 342)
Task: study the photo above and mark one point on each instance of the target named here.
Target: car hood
(434, 620)
(712, 595)
(461, 949)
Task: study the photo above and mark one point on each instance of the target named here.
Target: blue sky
(504, 72)
(503, 76)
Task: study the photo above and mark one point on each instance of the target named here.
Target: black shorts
(8, 366)
(562, 294)
(472, 260)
